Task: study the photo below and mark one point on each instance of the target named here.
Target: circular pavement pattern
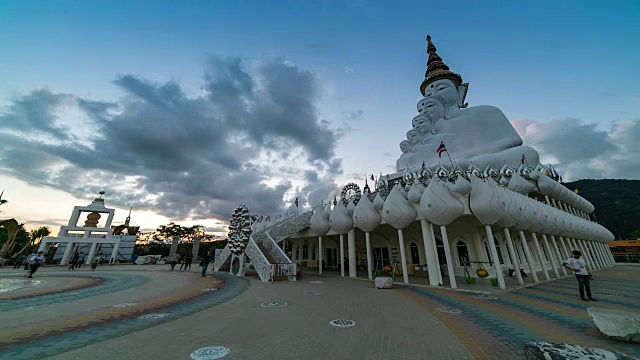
(273, 304)
(449, 310)
(255, 287)
(316, 282)
(343, 323)
(210, 353)
(124, 305)
(210, 289)
(311, 292)
(153, 316)
(485, 297)
(604, 293)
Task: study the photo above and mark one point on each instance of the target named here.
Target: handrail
(224, 254)
(259, 261)
(275, 250)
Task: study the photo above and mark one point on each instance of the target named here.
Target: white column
(585, 255)
(403, 257)
(514, 256)
(596, 251)
(565, 249)
(606, 251)
(43, 246)
(494, 256)
(558, 254)
(294, 252)
(92, 253)
(369, 255)
(351, 242)
(114, 253)
(320, 252)
(527, 255)
(196, 248)
(546, 199)
(67, 252)
(553, 201)
(435, 251)
(540, 256)
(430, 253)
(594, 263)
(174, 245)
(342, 255)
(447, 254)
(596, 260)
(551, 254)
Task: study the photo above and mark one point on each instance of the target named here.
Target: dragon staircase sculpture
(266, 256)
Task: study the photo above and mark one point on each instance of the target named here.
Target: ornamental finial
(437, 69)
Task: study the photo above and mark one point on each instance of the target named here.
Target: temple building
(469, 203)
(94, 238)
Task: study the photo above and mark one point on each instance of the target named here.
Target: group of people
(31, 262)
(77, 260)
(186, 261)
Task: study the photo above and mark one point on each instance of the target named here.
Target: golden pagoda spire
(437, 69)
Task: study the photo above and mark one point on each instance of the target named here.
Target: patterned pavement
(552, 311)
(149, 312)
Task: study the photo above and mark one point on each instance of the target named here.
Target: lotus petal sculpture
(365, 215)
(438, 205)
(340, 220)
(396, 210)
(319, 223)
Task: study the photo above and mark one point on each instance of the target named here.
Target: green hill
(617, 203)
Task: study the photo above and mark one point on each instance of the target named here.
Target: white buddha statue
(481, 134)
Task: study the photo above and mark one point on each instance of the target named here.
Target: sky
(184, 110)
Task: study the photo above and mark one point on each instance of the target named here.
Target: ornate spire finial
(437, 69)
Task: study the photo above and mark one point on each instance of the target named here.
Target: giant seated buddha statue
(481, 135)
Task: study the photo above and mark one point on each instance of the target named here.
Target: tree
(35, 236)
(635, 234)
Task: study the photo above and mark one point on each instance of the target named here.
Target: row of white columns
(66, 256)
(596, 254)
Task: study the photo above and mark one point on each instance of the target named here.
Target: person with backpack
(74, 260)
(205, 263)
(578, 266)
(35, 262)
(80, 260)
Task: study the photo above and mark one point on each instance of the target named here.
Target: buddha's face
(413, 136)
(405, 146)
(445, 88)
(433, 109)
(422, 124)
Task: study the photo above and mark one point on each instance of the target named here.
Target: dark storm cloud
(583, 151)
(181, 156)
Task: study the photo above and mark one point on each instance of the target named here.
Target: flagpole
(449, 156)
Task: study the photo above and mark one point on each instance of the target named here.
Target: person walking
(174, 261)
(205, 263)
(80, 260)
(19, 262)
(578, 266)
(27, 259)
(74, 260)
(182, 263)
(188, 259)
(35, 262)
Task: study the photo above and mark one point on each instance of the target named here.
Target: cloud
(183, 157)
(585, 151)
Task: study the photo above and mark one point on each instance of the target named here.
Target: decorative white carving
(340, 220)
(365, 216)
(397, 211)
(438, 205)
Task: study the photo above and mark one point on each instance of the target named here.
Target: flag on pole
(372, 178)
(524, 159)
(441, 149)
(296, 202)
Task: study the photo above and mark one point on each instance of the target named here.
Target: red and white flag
(296, 202)
(523, 159)
(441, 149)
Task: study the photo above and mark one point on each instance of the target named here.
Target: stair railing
(224, 254)
(259, 261)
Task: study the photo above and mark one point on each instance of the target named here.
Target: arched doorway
(463, 252)
(415, 254)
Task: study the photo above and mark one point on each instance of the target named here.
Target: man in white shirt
(577, 265)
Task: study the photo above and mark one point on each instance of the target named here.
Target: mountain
(617, 203)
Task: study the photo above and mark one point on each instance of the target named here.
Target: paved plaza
(149, 312)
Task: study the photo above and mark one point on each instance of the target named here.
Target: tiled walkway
(96, 315)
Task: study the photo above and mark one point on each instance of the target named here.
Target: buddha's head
(422, 124)
(439, 80)
(413, 136)
(405, 146)
(433, 107)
